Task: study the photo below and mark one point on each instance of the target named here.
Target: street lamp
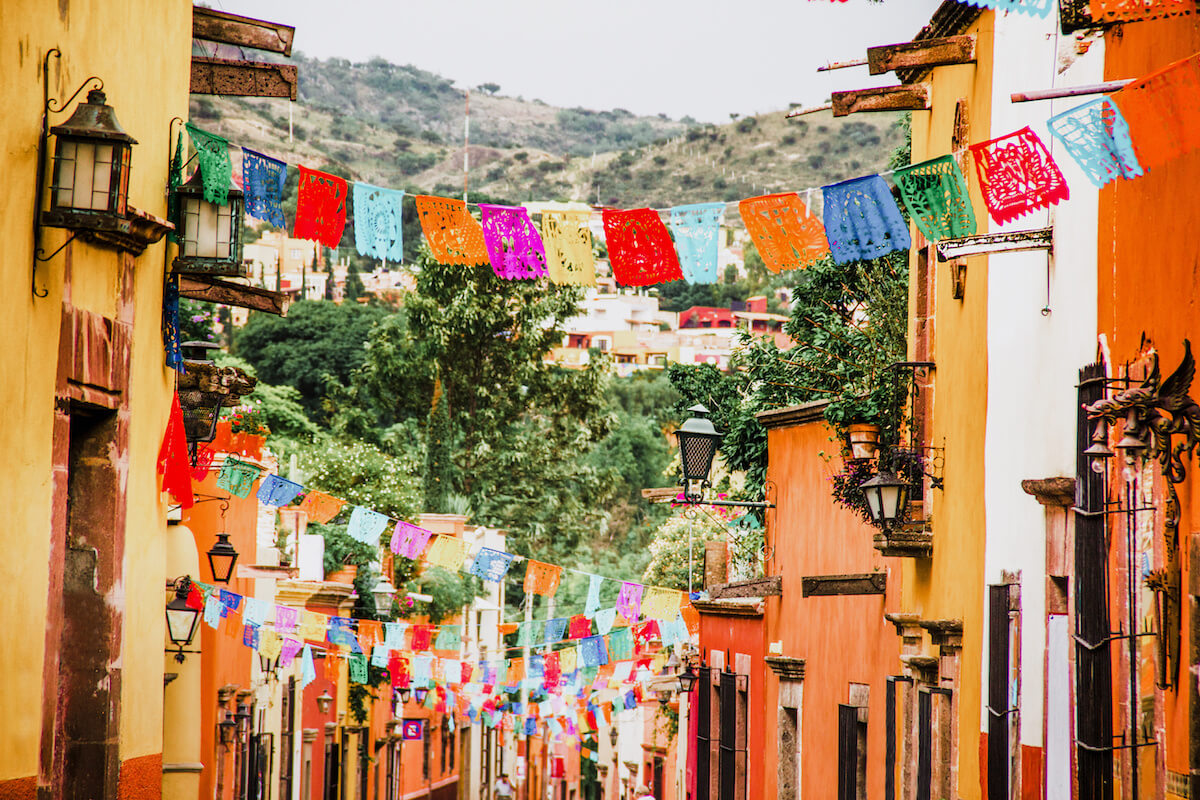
(324, 699)
(420, 694)
(698, 441)
(210, 236)
(687, 679)
(221, 558)
(405, 695)
(384, 591)
(887, 498)
(182, 619)
(228, 728)
(612, 736)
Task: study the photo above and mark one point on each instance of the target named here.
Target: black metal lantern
(182, 619)
(698, 442)
(221, 558)
(324, 700)
(405, 695)
(420, 694)
(612, 735)
(887, 499)
(687, 679)
(228, 726)
(210, 235)
(90, 186)
(267, 664)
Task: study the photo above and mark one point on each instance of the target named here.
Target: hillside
(401, 126)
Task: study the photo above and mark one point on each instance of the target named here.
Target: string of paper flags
(1119, 135)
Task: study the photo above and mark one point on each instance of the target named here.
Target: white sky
(703, 58)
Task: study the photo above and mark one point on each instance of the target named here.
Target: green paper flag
(935, 194)
(212, 153)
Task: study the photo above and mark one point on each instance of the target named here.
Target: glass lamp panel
(873, 504)
(101, 180)
(224, 232)
(181, 622)
(697, 455)
(64, 173)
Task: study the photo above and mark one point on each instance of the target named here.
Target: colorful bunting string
(1033, 8)
(453, 235)
(696, 228)
(514, 247)
(212, 155)
(1107, 11)
(640, 248)
(378, 222)
(263, 180)
(1161, 112)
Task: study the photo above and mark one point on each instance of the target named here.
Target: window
(287, 723)
(889, 753)
(852, 744)
(731, 766)
(704, 709)
(999, 758)
(427, 751)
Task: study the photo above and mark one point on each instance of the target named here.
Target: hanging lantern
(182, 619)
(887, 499)
(383, 592)
(221, 558)
(210, 235)
(90, 187)
(201, 410)
(698, 441)
(405, 696)
(324, 700)
(687, 679)
(420, 694)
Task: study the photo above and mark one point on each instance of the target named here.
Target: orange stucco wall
(843, 638)
(1149, 279)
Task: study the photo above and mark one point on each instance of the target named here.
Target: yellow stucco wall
(950, 585)
(141, 49)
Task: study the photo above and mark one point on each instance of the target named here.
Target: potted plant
(248, 430)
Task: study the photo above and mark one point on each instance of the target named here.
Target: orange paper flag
(786, 234)
(453, 235)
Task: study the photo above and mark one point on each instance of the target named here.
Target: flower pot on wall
(345, 574)
(864, 439)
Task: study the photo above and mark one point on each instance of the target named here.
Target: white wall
(1034, 358)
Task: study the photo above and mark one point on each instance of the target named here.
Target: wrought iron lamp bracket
(49, 107)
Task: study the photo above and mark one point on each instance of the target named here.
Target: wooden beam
(886, 98)
(243, 78)
(220, 26)
(771, 585)
(668, 494)
(861, 583)
(921, 53)
(211, 290)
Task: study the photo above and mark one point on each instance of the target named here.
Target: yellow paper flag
(448, 552)
(568, 242)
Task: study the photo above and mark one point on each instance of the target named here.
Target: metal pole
(799, 112)
(1070, 91)
(854, 62)
(466, 145)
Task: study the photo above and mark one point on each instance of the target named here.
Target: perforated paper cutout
(277, 491)
(320, 507)
(1162, 113)
(786, 235)
(321, 207)
(1096, 136)
(935, 194)
(448, 552)
(581, 626)
(491, 565)
(593, 595)
(513, 244)
(556, 629)
(629, 601)
(409, 540)
(216, 170)
(542, 578)
(453, 235)
(567, 240)
(862, 220)
(1017, 175)
(263, 180)
(661, 603)
(640, 248)
(237, 477)
(1033, 8)
(1133, 10)
(697, 228)
(366, 525)
(378, 222)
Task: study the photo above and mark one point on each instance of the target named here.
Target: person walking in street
(503, 789)
(643, 793)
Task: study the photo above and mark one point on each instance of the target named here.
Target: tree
(315, 342)
(488, 88)
(353, 288)
(437, 479)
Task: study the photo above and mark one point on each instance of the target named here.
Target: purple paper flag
(409, 540)
(629, 601)
(513, 244)
(285, 619)
(288, 651)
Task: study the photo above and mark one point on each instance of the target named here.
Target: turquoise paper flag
(379, 656)
(366, 525)
(449, 638)
(696, 228)
(593, 595)
(308, 672)
(212, 611)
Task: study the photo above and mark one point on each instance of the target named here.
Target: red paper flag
(321, 207)
(195, 599)
(640, 248)
(173, 460)
(1017, 175)
(580, 627)
(422, 637)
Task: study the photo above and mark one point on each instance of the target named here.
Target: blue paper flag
(276, 491)
(555, 630)
(341, 633)
(491, 565)
(593, 651)
(263, 178)
(230, 601)
(1096, 135)
(378, 222)
(697, 228)
(1033, 8)
(531, 726)
(366, 525)
(862, 221)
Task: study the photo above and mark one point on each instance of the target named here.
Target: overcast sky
(703, 58)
